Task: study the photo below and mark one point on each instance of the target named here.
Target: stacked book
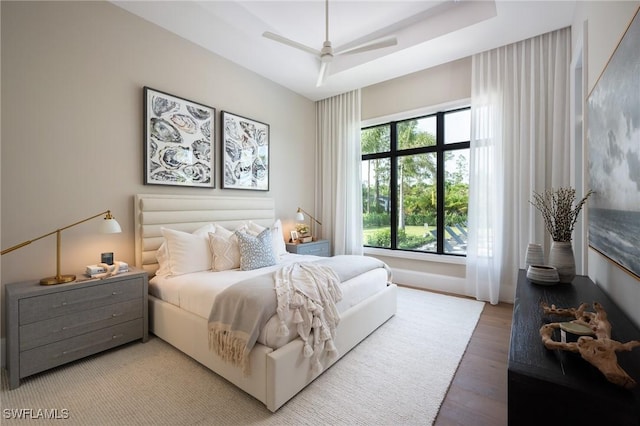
(95, 270)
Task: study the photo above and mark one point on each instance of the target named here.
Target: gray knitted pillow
(255, 251)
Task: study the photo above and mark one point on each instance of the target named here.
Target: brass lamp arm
(313, 218)
(17, 246)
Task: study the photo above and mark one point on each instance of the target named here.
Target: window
(415, 183)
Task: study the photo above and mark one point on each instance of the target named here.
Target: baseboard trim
(442, 283)
(427, 281)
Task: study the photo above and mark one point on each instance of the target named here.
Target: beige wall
(439, 85)
(606, 23)
(433, 86)
(72, 79)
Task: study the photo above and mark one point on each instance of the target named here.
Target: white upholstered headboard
(187, 213)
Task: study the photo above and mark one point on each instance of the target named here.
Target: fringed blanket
(241, 311)
(309, 292)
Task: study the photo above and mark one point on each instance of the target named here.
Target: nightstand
(47, 326)
(316, 248)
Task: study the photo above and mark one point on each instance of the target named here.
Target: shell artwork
(201, 149)
(259, 169)
(246, 153)
(233, 151)
(153, 148)
(173, 158)
(228, 175)
(198, 172)
(161, 105)
(205, 128)
(164, 131)
(153, 166)
(184, 123)
(170, 176)
(198, 113)
(179, 145)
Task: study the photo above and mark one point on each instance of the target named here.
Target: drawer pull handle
(65, 303)
(71, 327)
(81, 348)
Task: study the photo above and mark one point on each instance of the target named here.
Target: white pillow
(182, 252)
(279, 246)
(277, 240)
(224, 248)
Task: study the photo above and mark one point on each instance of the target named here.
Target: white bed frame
(276, 375)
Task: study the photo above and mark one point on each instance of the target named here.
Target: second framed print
(245, 153)
(178, 141)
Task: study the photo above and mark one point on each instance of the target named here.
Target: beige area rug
(398, 376)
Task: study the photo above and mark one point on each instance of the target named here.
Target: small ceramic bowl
(543, 274)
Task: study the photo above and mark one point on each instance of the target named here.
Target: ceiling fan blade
(290, 42)
(376, 44)
(324, 69)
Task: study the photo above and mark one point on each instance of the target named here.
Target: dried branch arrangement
(599, 351)
(558, 212)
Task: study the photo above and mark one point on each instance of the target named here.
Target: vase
(561, 257)
(534, 255)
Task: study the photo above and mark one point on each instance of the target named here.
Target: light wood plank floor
(478, 393)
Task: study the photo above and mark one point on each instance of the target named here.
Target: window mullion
(393, 186)
(440, 182)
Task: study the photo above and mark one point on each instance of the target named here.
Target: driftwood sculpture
(599, 351)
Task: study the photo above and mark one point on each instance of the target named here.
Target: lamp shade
(110, 226)
(299, 216)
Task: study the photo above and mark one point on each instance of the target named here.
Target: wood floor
(478, 394)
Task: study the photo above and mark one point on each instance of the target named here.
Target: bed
(276, 375)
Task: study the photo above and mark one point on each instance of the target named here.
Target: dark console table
(558, 387)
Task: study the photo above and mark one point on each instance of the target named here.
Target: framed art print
(613, 134)
(245, 153)
(178, 141)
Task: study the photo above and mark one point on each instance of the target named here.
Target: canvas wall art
(613, 134)
(245, 153)
(178, 140)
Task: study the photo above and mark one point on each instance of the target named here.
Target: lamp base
(57, 280)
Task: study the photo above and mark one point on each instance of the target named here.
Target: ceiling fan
(326, 54)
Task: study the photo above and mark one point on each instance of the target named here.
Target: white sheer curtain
(519, 143)
(338, 173)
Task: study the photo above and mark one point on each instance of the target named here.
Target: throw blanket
(241, 310)
(308, 292)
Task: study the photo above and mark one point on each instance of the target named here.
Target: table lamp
(300, 218)
(108, 226)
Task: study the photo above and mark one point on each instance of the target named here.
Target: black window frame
(394, 154)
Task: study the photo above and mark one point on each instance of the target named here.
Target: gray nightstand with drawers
(316, 248)
(47, 326)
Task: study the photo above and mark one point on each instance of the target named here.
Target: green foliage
(375, 220)
(382, 238)
(420, 219)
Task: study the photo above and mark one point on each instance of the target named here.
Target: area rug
(398, 376)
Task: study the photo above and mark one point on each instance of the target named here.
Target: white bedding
(195, 292)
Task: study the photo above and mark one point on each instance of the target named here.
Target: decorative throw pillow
(183, 252)
(277, 240)
(224, 248)
(256, 251)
